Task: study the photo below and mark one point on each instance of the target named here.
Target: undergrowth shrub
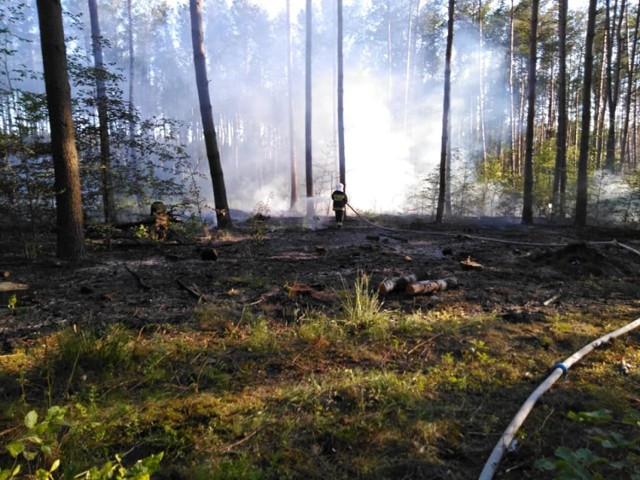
(35, 452)
(612, 453)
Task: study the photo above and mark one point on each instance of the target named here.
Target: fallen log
(425, 287)
(397, 283)
(12, 286)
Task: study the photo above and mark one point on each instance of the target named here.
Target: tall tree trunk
(560, 172)
(211, 143)
(108, 201)
(624, 142)
(600, 107)
(389, 53)
(527, 208)
(614, 27)
(634, 137)
(341, 145)
(445, 116)
(293, 162)
(69, 216)
(308, 114)
(512, 99)
(583, 159)
(132, 121)
(407, 74)
(481, 92)
(548, 126)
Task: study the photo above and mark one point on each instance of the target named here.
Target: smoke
(379, 167)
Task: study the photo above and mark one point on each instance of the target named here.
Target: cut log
(425, 287)
(397, 283)
(12, 286)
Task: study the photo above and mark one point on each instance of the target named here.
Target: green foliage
(147, 165)
(115, 470)
(12, 302)
(615, 198)
(188, 230)
(623, 454)
(141, 232)
(38, 442)
(39, 445)
(573, 464)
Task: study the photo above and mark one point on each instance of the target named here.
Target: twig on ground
(141, 283)
(193, 291)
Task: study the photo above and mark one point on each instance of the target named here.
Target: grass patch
(370, 393)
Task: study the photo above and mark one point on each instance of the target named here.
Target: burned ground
(527, 280)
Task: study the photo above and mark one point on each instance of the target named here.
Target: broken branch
(194, 292)
(141, 283)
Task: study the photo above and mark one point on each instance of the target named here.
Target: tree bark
(512, 99)
(583, 159)
(624, 142)
(341, 144)
(293, 163)
(614, 28)
(309, 111)
(481, 91)
(223, 216)
(69, 215)
(445, 116)
(132, 122)
(108, 197)
(560, 172)
(527, 209)
(408, 64)
(600, 108)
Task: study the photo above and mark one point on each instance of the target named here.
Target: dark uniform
(339, 203)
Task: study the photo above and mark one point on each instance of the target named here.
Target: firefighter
(339, 203)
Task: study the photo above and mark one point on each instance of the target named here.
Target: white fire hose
(559, 370)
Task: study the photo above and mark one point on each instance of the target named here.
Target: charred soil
(524, 298)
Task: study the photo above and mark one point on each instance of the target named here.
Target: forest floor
(267, 352)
